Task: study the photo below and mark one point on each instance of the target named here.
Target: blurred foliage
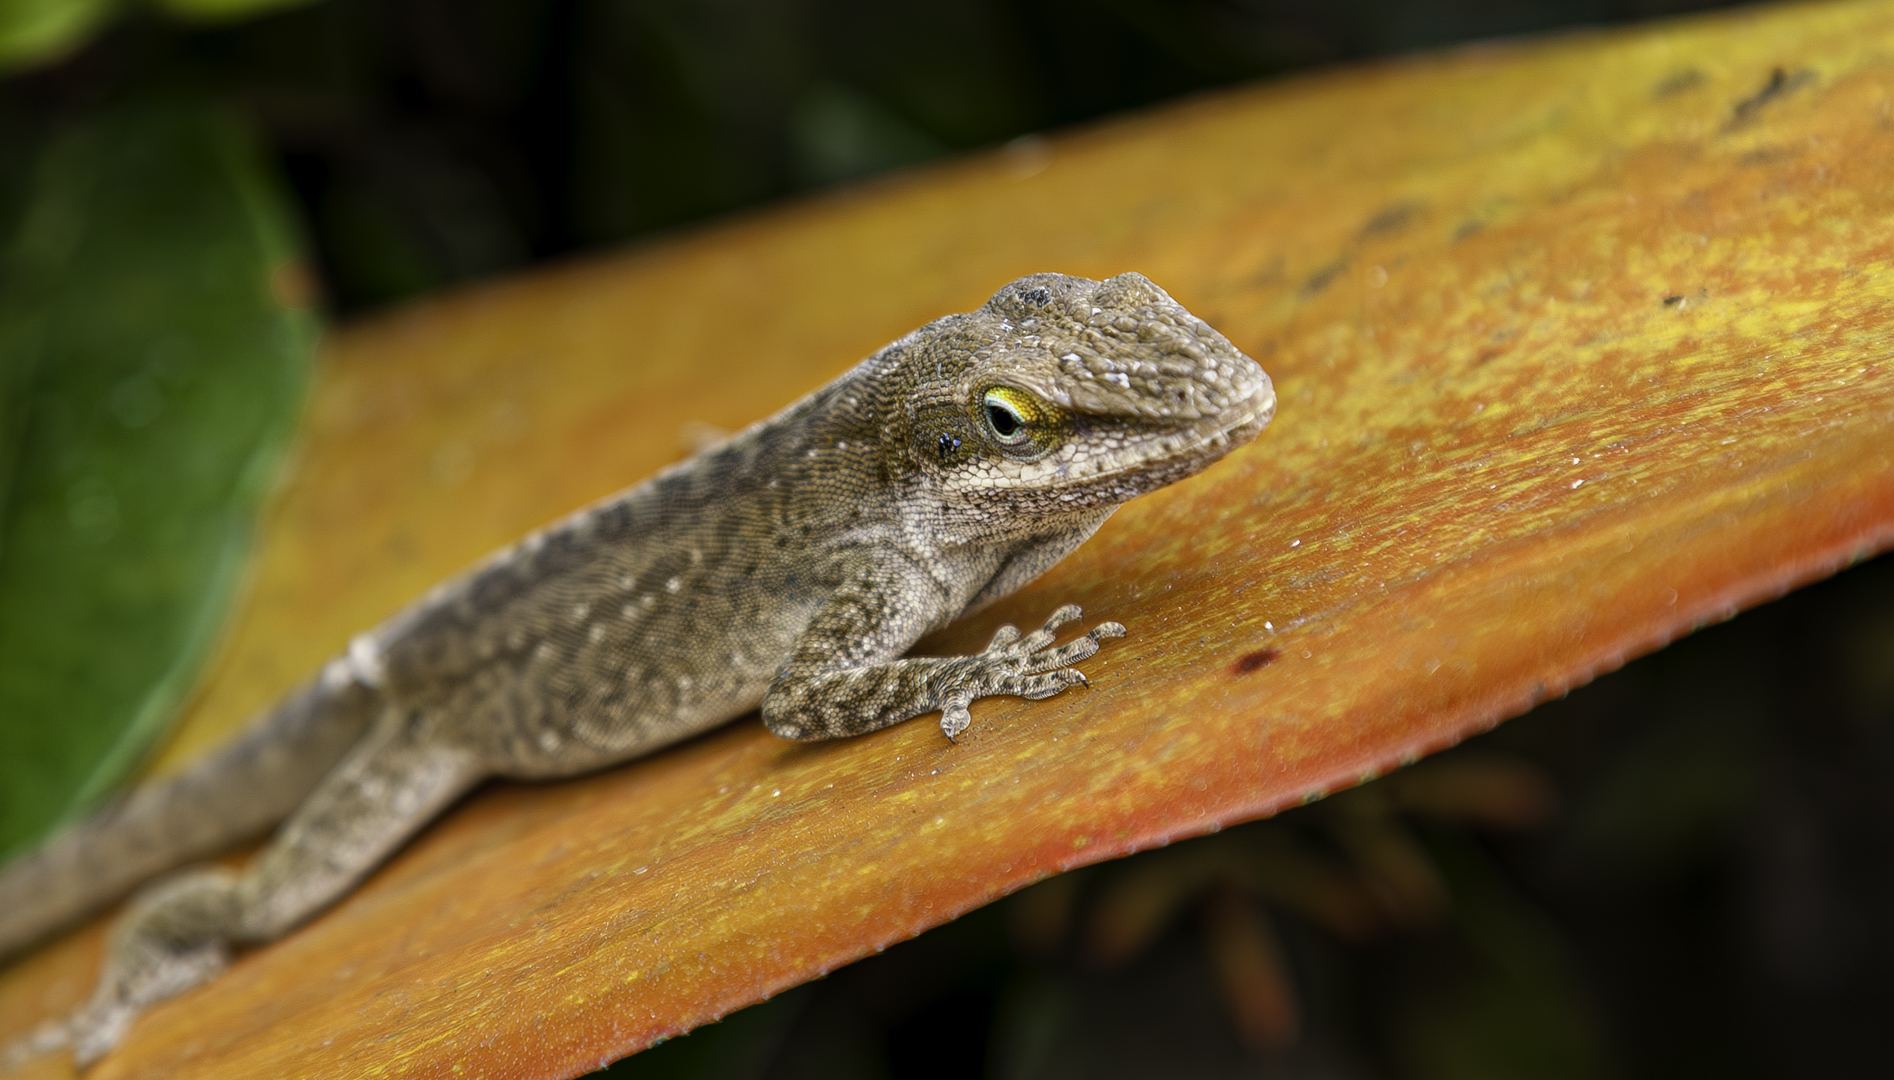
(436, 141)
(153, 352)
(37, 30)
(1681, 870)
(44, 31)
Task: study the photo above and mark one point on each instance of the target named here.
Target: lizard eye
(1004, 420)
(1019, 423)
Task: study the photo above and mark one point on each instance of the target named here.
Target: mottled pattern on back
(632, 623)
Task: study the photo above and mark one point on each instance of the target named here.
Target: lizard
(791, 566)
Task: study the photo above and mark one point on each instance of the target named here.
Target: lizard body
(791, 566)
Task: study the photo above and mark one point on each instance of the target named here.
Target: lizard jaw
(1190, 449)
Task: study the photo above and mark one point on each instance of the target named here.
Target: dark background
(1683, 869)
(435, 141)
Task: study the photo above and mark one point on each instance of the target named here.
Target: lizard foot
(98, 1026)
(173, 939)
(1025, 667)
(46, 1038)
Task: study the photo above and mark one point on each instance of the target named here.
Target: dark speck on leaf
(1780, 83)
(1321, 278)
(1687, 79)
(1391, 219)
(1673, 301)
(1254, 661)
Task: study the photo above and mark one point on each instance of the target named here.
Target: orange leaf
(1579, 344)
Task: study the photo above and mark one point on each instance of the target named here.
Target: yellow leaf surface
(1579, 344)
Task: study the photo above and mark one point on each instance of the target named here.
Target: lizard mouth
(1106, 450)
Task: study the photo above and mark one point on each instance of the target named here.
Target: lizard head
(1064, 395)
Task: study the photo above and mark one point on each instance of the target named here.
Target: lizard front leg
(180, 931)
(844, 678)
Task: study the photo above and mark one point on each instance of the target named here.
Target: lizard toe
(1039, 687)
(954, 717)
(1044, 636)
(1065, 655)
(1067, 613)
(1003, 639)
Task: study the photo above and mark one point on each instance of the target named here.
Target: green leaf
(43, 31)
(152, 360)
(33, 31)
(225, 10)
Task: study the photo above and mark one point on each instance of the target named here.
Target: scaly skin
(790, 566)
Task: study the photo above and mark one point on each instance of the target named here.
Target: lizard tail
(235, 793)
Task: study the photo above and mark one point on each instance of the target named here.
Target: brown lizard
(792, 565)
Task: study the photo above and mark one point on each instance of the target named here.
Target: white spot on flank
(1295, 543)
(674, 584)
(365, 658)
(338, 673)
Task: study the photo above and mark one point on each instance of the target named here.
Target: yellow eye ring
(1019, 423)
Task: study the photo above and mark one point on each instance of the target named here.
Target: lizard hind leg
(181, 930)
(175, 936)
